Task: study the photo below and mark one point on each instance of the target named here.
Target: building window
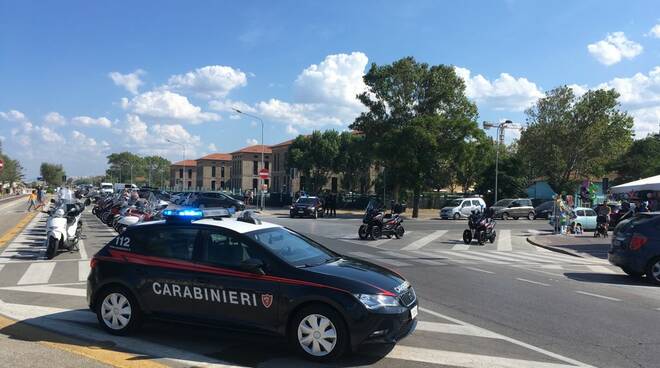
(189, 173)
(222, 171)
(189, 184)
(213, 171)
(222, 185)
(255, 183)
(212, 184)
(255, 167)
(267, 164)
(180, 173)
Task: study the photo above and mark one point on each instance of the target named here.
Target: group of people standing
(330, 204)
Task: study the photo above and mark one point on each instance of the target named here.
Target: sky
(80, 80)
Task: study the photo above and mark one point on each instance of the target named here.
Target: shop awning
(650, 183)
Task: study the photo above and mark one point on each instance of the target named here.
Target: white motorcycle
(64, 227)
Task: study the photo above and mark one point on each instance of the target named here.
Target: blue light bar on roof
(185, 213)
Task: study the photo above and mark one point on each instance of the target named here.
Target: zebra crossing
(30, 244)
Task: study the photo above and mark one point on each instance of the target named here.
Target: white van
(462, 207)
(121, 186)
(106, 188)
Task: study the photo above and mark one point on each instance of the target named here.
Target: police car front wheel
(117, 311)
(319, 333)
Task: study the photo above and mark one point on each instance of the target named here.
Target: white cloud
(48, 135)
(208, 82)
(89, 121)
(136, 129)
(212, 147)
(640, 89)
(655, 31)
(131, 81)
(168, 105)
(614, 48)
(291, 130)
(579, 89)
(54, 118)
(337, 80)
(251, 141)
(83, 142)
(646, 121)
(13, 116)
(503, 93)
(173, 132)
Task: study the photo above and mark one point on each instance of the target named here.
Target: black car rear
(636, 246)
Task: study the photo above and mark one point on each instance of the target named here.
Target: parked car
(544, 210)
(306, 207)
(461, 207)
(636, 246)
(214, 199)
(583, 218)
(514, 208)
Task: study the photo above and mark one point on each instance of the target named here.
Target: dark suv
(215, 199)
(516, 208)
(636, 246)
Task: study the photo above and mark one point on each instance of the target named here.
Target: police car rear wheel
(117, 311)
(319, 334)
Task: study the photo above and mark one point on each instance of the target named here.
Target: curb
(554, 249)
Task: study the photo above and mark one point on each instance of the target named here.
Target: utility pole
(507, 124)
(260, 181)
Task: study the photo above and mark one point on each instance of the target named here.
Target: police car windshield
(305, 200)
(293, 248)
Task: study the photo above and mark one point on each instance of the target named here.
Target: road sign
(263, 173)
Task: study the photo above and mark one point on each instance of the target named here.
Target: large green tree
(127, 166)
(12, 171)
(641, 160)
(315, 156)
(410, 99)
(52, 173)
(353, 160)
(569, 137)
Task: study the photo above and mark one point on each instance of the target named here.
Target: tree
(12, 172)
(151, 170)
(640, 161)
(52, 173)
(569, 137)
(410, 99)
(513, 176)
(314, 156)
(353, 161)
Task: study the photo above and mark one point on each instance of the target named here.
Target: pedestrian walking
(32, 201)
(333, 204)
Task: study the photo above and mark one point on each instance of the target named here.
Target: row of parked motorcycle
(121, 210)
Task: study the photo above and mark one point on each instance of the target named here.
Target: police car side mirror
(253, 265)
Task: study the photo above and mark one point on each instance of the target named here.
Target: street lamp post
(500, 140)
(262, 150)
(184, 160)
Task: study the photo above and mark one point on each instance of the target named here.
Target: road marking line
(83, 270)
(456, 359)
(391, 262)
(420, 243)
(532, 282)
(598, 295)
(552, 266)
(397, 254)
(511, 340)
(468, 256)
(429, 255)
(81, 249)
(25, 331)
(48, 289)
(454, 329)
(497, 255)
(18, 228)
(602, 269)
(504, 241)
(37, 273)
(461, 247)
(478, 269)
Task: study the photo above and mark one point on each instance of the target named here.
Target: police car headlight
(371, 301)
(310, 208)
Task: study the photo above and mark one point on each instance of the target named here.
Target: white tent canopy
(650, 183)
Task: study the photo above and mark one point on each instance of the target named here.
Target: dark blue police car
(245, 274)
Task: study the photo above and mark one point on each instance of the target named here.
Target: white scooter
(64, 227)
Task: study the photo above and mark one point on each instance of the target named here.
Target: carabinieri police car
(241, 273)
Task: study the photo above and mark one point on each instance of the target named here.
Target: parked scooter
(64, 226)
(376, 223)
(481, 226)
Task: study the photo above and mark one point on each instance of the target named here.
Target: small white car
(462, 207)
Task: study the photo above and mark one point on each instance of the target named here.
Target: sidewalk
(575, 245)
(424, 214)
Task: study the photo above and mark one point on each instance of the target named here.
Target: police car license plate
(413, 312)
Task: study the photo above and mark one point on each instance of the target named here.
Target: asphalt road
(506, 304)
